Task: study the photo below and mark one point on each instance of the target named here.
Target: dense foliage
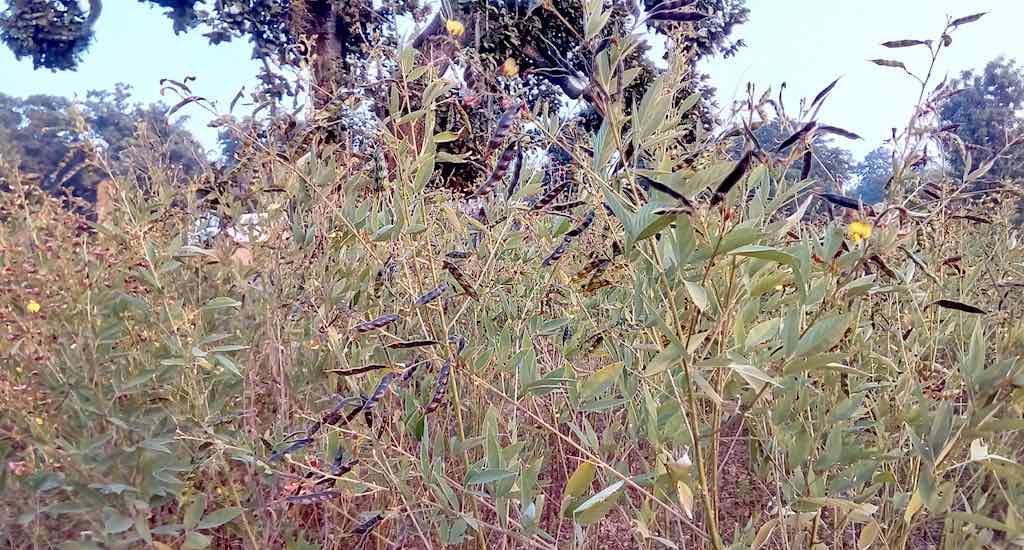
(681, 339)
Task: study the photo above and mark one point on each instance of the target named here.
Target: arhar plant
(665, 346)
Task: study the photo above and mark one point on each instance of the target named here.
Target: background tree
(55, 141)
(986, 114)
(873, 175)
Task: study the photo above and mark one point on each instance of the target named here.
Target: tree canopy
(985, 114)
(55, 141)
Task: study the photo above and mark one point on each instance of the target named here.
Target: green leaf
(980, 521)
(114, 522)
(194, 512)
(754, 376)
(220, 517)
(823, 335)
(221, 302)
(195, 541)
(942, 428)
(650, 223)
(595, 507)
(79, 545)
(699, 295)
(599, 381)
(974, 364)
(488, 476)
(580, 480)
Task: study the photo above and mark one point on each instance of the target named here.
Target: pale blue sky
(805, 43)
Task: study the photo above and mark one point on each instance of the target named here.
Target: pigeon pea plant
(651, 352)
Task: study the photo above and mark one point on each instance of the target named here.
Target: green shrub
(391, 368)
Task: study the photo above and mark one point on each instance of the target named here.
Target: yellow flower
(858, 231)
(510, 68)
(33, 306)
(455, 28)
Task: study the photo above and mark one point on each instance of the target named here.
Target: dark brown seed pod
(958, 306)
(584, 224)
(732, 178)
(378, 392)
(407, 344)
(904, 43)
(822, 94)
(877, 260)
(591, 344)
(838, 131)
(668, 4)
(967, 19)
(502, 129)
(500, 169)
(975, 219)
(673, 211)
(432, 294)
(369, 525)
(440, 388)
(517, 173)
(595, 283)
(458, 341)
(840, 200)
(550, 196)
(805, 170)
(291, 448)
(557, 253)
(460, 278)
(565, 206)
(796, 136)
(375, 324)
(334, 415)
(596, 266)
(680, 15)
(668, 191)
(313, 498)
(357, 370)
(409, 371)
